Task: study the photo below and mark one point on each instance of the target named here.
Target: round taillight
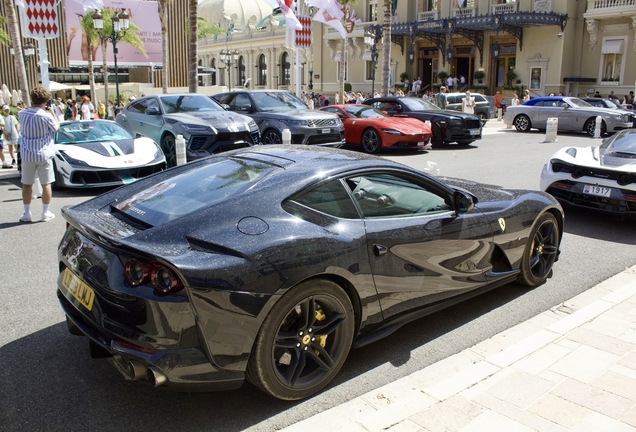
(163, 279)
(136, 272)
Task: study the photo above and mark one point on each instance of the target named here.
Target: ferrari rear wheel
(371, 141)
(522, 123)
(168, 148)
(541, 252)
(303, 342)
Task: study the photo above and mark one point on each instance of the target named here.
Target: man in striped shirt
(38, 124)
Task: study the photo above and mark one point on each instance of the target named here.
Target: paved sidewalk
(571, 368)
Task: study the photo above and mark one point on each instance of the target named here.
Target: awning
(83, 87)
(56, 86)
(612, 46)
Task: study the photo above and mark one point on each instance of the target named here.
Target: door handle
(378, 249)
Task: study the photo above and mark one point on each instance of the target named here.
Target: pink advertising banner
(143, 14)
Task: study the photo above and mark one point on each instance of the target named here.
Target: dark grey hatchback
(277, 110)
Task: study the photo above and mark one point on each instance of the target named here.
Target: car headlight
(71, 160)
(252, 126)
(456, 122)
(192, 128)
(296, 123)
(392, 131)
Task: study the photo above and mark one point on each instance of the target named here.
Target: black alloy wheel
(271, 137)
(169, 150)
(371, 141)
(303, 342)
(482, 118)
(437, 139)
(522, 123)
(541, 252)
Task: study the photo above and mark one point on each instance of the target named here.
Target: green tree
(4, 36)
(92, 42)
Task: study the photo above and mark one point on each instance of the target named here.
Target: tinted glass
(277, 101)
(89, 131)
(330, 198)
(419, 105)
(361, 111)
(578, 102)
(385, 195)
(189, 103)
(624, 143)
(193, 190)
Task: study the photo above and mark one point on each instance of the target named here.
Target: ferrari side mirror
(463, 202)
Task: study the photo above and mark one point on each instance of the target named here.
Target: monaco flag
(290, 18)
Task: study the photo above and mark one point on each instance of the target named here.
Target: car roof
(544, 98)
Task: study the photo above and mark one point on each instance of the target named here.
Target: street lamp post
(371, 41)
(229, 58)
(121, 23)
(311, 77)
(28, 52)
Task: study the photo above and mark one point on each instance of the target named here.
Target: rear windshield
(193, 190)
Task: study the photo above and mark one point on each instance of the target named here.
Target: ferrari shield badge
(502, 224)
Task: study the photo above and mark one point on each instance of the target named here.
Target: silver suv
(482, 106)
(277, 110)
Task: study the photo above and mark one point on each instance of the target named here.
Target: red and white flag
(326, 17)
(288, 13)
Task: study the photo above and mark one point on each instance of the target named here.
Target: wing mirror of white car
(153, 111)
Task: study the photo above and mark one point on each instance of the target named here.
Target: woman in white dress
(468, 104)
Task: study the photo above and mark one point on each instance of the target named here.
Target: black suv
(447, 126)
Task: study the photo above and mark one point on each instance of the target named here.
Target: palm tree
(131, 37)
(4, 36)
(92, 42)
(386, 47)
(163, 18)
(17, 46)
(193, 8)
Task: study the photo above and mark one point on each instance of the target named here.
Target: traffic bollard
(286, 136)
(551, 130)
(180, 150)
(597, 127)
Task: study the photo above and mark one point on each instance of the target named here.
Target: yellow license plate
(78, 289)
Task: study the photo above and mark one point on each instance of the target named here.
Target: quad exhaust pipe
(135, 370)
(156, 377)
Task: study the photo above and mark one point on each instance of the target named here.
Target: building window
(428, 5)
(285, 70)
(612, 64)
(262, 70)
(213, 73)
(368, 75)
(241, 72)
(373, 11)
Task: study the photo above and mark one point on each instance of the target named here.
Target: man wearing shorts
(38, 127)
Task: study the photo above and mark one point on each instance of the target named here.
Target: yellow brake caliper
(322, 340)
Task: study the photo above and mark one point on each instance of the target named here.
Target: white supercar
(601, 178)
(101, 153)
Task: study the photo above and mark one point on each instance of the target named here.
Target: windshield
(193, 190)
(189, 103)
(361, 111)
(578, 102)
(90, 131)
(624, 143)
(277, 101)
(419, 105)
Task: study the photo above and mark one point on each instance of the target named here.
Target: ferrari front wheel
(303, 342)
(371, 141)
(541, 252)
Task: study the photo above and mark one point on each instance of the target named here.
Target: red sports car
(374, 130)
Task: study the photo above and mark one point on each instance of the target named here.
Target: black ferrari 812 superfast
(270, 263)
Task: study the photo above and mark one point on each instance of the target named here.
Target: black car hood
(220, 120)
(484, 192)
(108, 148)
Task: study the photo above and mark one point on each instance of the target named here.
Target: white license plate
(475, 131)
(326, 130)
(597, 190)
(421, 143)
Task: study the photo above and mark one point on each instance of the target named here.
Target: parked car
(206, 127)
(602, 178)
(482, 106)
(447, 126)
(573, 114)
(100, 153)
(606, 103)
(373, 130)
(277, 110)
(269, 263)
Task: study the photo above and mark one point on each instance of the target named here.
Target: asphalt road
(49, 382)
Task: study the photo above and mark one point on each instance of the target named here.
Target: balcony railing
(609, 8)
(428, 16)
(605, 4)
(505, 8)
(464, 12)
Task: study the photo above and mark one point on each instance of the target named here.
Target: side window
(240, 101)
(225, 99)
(480, 98)
(139, 107)
(330, 198)
(451, 99)
(386, 195)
